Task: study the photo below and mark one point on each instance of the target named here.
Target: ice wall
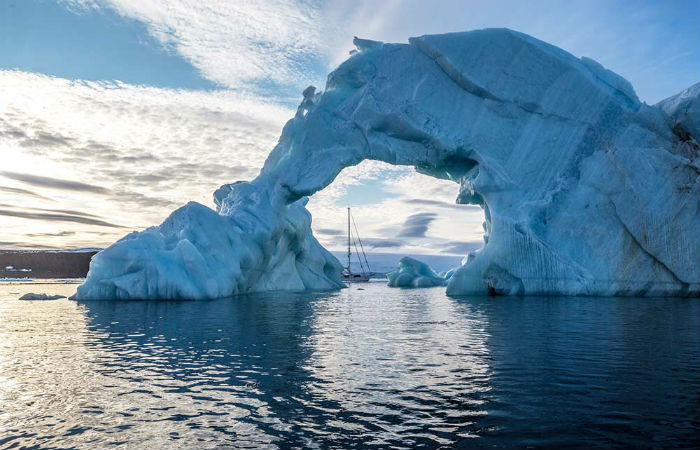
(586, 190)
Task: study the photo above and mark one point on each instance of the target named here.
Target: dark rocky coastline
(44, 264)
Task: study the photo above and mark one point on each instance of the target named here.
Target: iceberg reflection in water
(377, 367)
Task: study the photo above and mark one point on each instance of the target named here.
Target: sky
(113, 113)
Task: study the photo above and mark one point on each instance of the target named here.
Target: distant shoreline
(45, 263)
(15, 264)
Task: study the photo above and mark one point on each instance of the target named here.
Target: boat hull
(355, 278)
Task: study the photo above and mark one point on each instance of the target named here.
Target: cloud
(136, 199)
(416, 225)
(19, 191)
(328, 231)
(256, 45)
(382, 243)
(60, 211)
(58, 234)
(44, 139)
(55, 183)
(368, 243)
(423, 201)
(429, 202)
(58, 218)
(22, 246)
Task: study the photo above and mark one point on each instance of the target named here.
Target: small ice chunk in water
(33, 296)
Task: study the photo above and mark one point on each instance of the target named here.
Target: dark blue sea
(366, 367)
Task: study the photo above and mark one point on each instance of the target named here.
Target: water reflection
(214, 373)
(401, 370)
(612, 372)
(375, 368)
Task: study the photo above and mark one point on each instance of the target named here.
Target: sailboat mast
(348, 240)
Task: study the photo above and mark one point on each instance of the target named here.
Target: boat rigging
(347, 274)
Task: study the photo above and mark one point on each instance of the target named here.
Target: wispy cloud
(55, 183)
(328, 231)
(20, 191)
(48, 217)
(416, 225)
(372, 243)
(443, 204)
(384, 243)
(60, 211)
(53, 235)
(254, 44)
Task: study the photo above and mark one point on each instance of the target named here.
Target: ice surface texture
(586, 190)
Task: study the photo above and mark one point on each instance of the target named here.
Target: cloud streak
(57, 218)
(328, 231)
(20, 191)
(383, 243)
(54, 183)
(416, 225)
(443, 204)
(60, 211)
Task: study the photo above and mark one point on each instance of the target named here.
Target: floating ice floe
(586, 190)
(33, 296)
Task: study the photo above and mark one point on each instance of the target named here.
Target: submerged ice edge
(586, 190)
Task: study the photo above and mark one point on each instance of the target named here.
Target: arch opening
(400, 211)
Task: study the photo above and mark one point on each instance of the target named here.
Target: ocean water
(366, 367)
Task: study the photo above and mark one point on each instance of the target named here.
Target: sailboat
(348, 275)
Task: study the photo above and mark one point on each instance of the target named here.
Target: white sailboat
(348, 275)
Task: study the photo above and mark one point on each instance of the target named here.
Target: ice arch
(586, 190)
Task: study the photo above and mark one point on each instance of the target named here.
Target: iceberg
(414, 273)
(250, 245)
(585, 189)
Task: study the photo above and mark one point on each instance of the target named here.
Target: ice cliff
(586, 190)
